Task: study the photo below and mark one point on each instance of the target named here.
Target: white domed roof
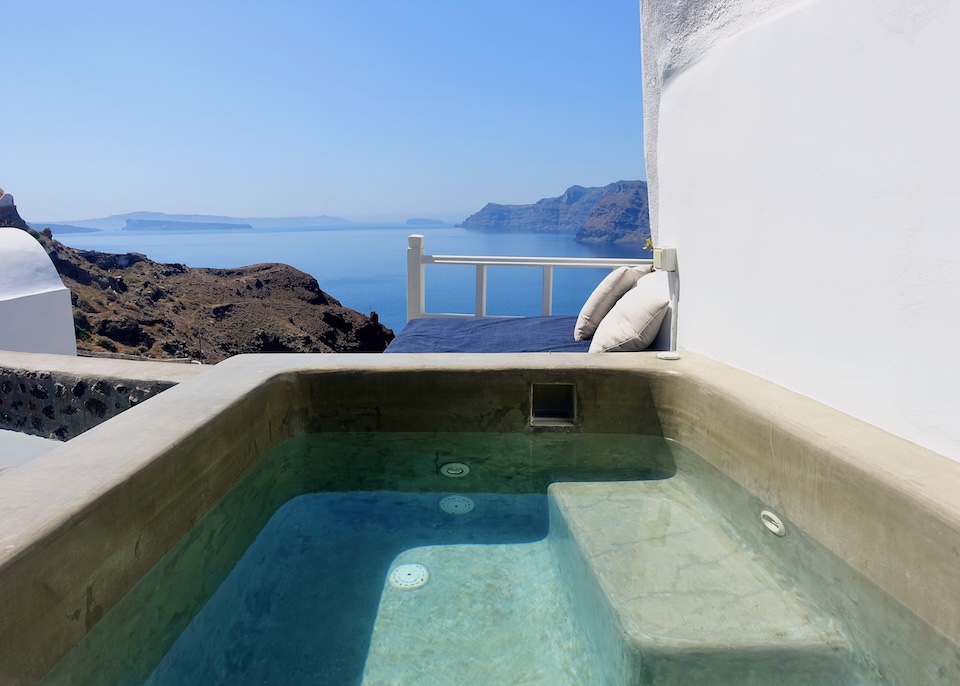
(25, 268)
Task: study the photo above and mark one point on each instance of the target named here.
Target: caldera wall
(806, 166)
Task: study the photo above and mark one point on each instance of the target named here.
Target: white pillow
(634, 321)
(604, 297)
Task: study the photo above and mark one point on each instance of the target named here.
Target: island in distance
(616, 213)
(421, 221)
(120, 221)
(184, 227)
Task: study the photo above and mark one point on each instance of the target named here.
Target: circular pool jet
(408, 577)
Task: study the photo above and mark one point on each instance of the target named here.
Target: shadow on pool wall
(84, 523)
(607, 400)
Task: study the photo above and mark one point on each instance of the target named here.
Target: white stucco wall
(35, 312)
(677, 33)
(808, 166)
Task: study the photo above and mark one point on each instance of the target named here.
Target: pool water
(286, 579)
(309, 602)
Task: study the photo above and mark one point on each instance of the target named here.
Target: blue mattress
(489, 335)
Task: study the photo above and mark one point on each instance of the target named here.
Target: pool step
(694, 605)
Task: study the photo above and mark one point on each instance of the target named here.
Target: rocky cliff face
(8, 212)
(614, 213)
(563, 214)
(621, 216)
(130, 304)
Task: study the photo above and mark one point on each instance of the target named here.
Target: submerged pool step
(694, 605)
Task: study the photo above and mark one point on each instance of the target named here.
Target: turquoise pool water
(642, 565)
(309, 601)
(285, 580)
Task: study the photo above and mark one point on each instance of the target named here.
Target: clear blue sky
(363, 109)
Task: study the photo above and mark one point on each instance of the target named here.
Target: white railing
(416, 259)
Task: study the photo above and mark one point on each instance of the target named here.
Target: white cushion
(634, 321)
(604, 297)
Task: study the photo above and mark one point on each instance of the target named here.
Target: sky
(363, 109)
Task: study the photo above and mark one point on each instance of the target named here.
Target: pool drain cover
(456, 504)
(454, 469)
(409, 577)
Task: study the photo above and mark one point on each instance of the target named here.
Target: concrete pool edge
(885, 506)
(892, 513)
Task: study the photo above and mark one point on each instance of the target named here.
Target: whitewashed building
(35, 312)
(803, 157)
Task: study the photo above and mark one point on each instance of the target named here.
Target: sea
(364, 267)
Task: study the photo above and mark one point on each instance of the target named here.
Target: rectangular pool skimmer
(553, 404)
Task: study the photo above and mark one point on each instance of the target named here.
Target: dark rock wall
(62, 406)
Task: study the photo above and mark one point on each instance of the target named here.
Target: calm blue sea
(364, 267)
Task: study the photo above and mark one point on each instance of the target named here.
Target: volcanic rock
(127, 303)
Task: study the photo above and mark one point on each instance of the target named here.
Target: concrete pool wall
(80, 525)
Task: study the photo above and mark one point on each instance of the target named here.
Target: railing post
(547, 300)
(415, 296)
(481, 308)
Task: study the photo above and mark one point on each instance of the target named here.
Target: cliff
(620, 216)
(133, 305)
(614, 213)
(8, 212)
